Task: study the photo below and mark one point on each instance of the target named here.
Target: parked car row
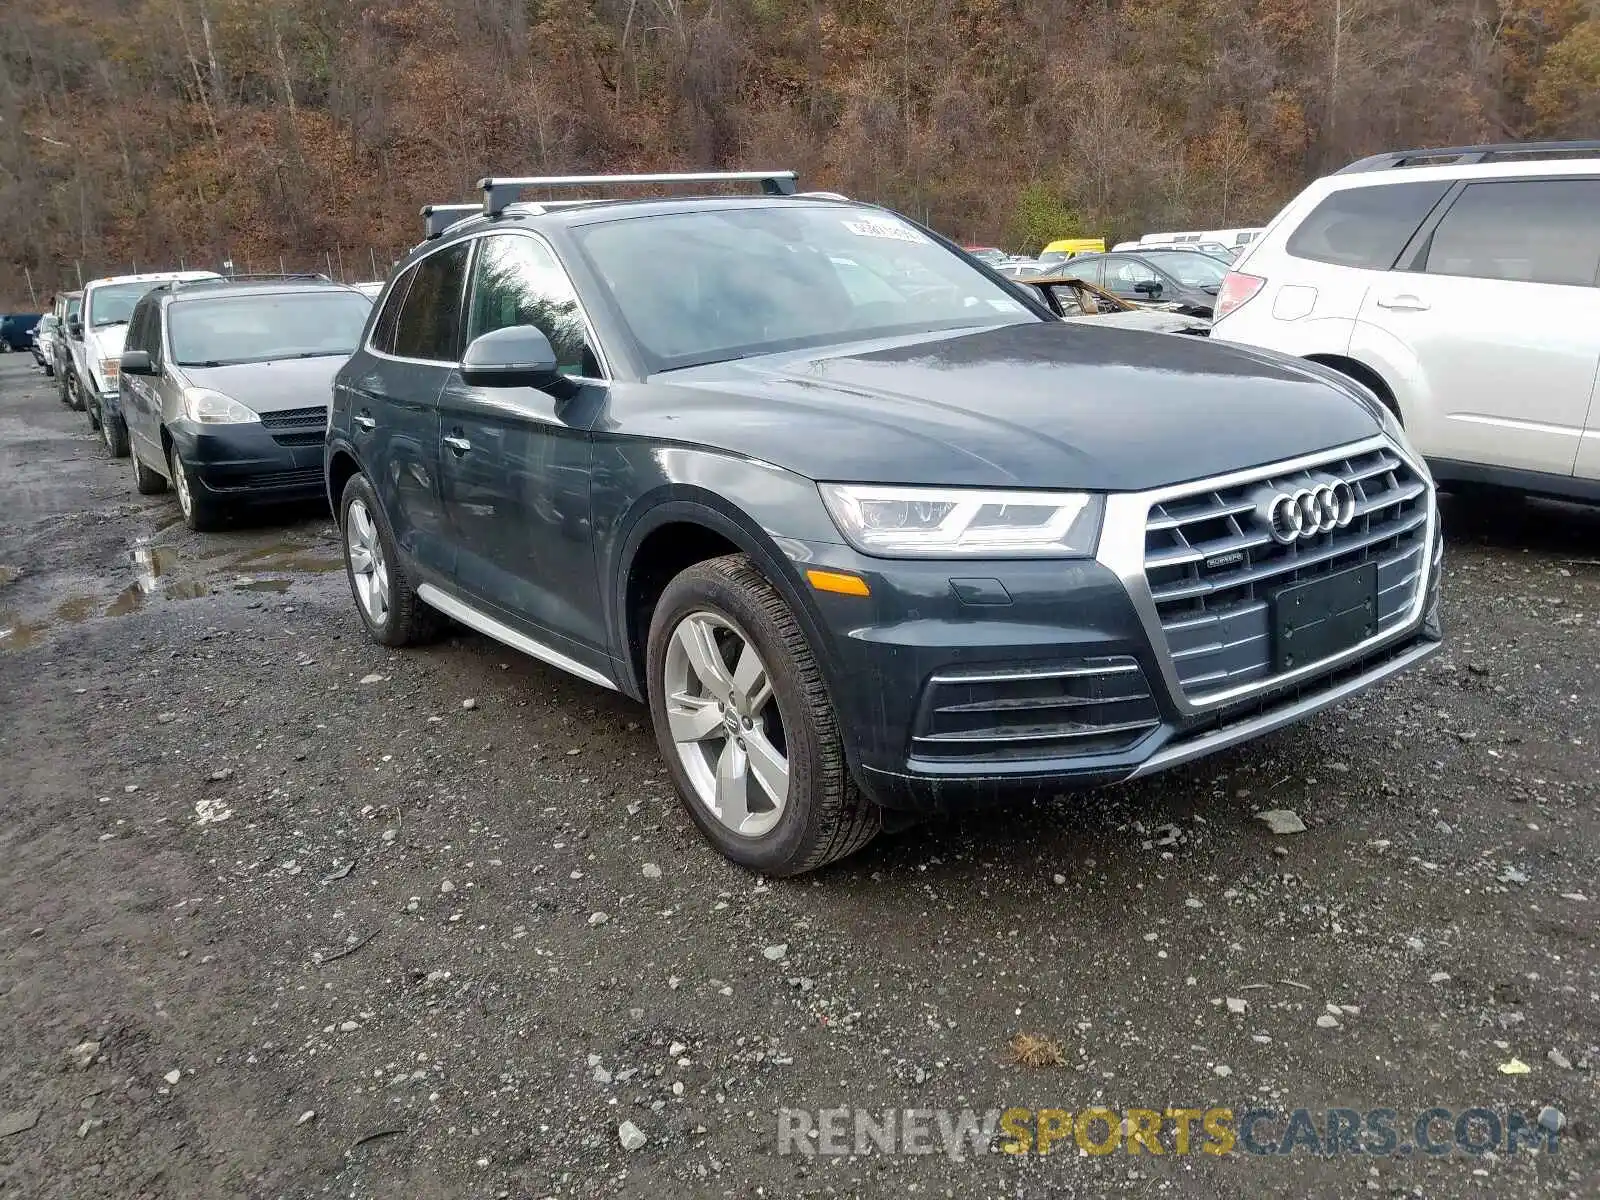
(216, 386)
(818, 487)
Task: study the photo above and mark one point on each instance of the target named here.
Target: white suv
(1463, 287)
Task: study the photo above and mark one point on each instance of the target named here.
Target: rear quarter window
(1365, 227)
(1529, 231)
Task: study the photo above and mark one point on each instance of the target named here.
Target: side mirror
(1148, 287)
(136, 362)
(517, 356)
(75, 327)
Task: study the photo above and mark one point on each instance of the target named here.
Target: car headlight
(111, 368)
(213, 408)
(902, 522)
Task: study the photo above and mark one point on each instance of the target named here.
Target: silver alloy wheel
(368, 570)
(725, 722)
(180, 483)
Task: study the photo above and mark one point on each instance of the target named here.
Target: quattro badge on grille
(1297, 514)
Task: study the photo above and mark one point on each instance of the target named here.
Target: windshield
(1189, 267)
(220, 331)
(712, 285)
(112, 304)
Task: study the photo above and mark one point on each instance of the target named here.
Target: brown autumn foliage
(308, 132)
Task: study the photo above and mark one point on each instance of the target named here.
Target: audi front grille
(1214, 556)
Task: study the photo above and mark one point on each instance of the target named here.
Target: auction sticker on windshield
(885, 229)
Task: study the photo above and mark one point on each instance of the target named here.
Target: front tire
(384, 589)
(115, 434)
(91, 408)
(746, 725)
(199, 510)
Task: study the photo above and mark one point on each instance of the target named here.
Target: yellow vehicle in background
(1062, 249)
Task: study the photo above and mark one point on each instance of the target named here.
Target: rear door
(394, 412)
(515, 462)
(1494, 317)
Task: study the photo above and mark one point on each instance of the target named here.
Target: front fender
(767, 512)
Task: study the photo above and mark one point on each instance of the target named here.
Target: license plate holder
(1317, 619)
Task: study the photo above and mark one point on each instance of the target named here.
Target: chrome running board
(485, 624)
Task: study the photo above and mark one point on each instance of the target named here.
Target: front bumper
(248, 462)
(965, 682)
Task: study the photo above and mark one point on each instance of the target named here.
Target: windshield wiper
(110, 323)
(324, 353)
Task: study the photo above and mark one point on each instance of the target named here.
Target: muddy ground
(356, 915)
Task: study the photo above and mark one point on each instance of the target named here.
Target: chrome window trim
(472, 266)
(1122, 551)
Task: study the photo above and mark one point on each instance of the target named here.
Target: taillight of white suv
(1237, 288)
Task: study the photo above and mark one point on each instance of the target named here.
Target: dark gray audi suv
(866, 525)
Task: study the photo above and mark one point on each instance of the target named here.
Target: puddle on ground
(152, 562)
(16, 634)
(158, 570)
(130, 599)
(77, 608)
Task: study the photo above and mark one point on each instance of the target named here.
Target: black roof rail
(436, 218)
(1467, 155)
(498, 192)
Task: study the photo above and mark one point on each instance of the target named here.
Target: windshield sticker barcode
(884, 229)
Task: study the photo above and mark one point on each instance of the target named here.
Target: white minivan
(1463, 287)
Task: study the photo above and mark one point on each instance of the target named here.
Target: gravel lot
(288, 914)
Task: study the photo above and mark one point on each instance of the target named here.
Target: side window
(519, 282)
(1090, 271)
(1122, 274)
(383, 328)
(139, 328)
(1533, 231)
(429, 323)
(1365, 227)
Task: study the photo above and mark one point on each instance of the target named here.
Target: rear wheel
(746, 725)
(384, 590)
(199, 510)
(145, 481)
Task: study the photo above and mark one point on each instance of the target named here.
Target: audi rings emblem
(1299, 514)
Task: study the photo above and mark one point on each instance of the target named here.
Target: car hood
(1042, 405)
(105, 342)
(272, 386)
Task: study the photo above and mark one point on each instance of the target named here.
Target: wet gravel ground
(288, 914)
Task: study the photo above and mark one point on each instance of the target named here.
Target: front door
(515, 460)
(1498, 324)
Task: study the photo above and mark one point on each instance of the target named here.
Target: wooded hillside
(142, 131)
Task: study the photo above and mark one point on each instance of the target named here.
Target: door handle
(1403, 303)
(457, 443)
(365, 421)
